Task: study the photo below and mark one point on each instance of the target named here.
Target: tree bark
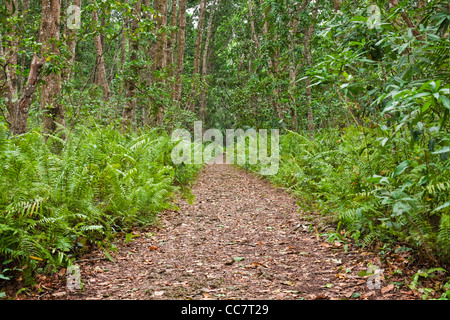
(9, 69)
(307, 44)
(203, 99)
(171, 40)
(100, 76)
(18, 109)
(71, 36)
(180, 49)
(198, 48)
(19, 115)
(407, 20)
(252, 26)
(129, 111)
(51, 89)
(294, 22)
(199, 36)
(161, 53)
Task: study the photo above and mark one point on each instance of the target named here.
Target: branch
(407, 20)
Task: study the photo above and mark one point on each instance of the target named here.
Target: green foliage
(372, 192)
(102, 182)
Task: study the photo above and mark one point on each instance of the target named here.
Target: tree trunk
(407, 20)
(180, 49)
(129, 111)
(307, 43)
(203, 99)
(100, 76)
(252, 26)
(19, 116)
(161, 45)
(11, 54)
(51, 89)
(18, 109)
(71, 36)
(23, 58)
(171, 40)
(9, 69)
(198, 49)
(337, 5)
(293, 70)
(161, 53)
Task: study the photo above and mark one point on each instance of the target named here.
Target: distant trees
(164, 62)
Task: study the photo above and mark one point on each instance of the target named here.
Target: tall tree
(49, 35)
(202, 111)
(307, 45)
(129, 110)
(100, 69)
(71, 34)
(198, 48)
(172, 38)
(180, 49)
(293, 64)
(8, 72)
(161, 53)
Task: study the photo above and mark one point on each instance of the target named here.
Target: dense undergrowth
(100, 182)
(380, 189)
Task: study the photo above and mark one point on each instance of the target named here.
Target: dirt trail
(242, 238)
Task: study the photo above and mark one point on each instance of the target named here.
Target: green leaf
(443, 150)
(419, 95)
(445, 101)
(359, 18)
(426, 106)
(238, 258)
(402, 48)
(434, 85)
(400, 168)
(445, 205)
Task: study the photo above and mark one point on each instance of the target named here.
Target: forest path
(242, 238)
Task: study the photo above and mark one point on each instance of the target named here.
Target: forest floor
(242, 238)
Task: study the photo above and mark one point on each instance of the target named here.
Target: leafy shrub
(102, 182)
(355, 177)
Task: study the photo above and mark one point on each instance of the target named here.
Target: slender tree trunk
(9, 69)
(198, 49)
(17, 109)
(51, 89)
(171, 40)
(71, 36)
(198, 40)
(180, 49)
(19, 115)
(25, 9)
(293, 71)
(129, 111)
(147, 72)
(252, 26)
(337, 5)
(203, 99)
(11, 54)
(161, 45)
(307, 44)
(407, 20)
(100, 76)
(161, 53)
(265, 33)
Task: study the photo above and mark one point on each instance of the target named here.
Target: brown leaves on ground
(242, 238)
